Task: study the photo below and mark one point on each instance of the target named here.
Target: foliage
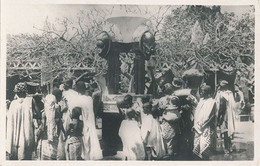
(188, 36)
(205, 37)
(62, 46)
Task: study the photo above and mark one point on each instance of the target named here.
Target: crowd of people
(180, 124)
(56, 126)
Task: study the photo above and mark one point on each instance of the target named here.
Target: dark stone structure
(110, 50)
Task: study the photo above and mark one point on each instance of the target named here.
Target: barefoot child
(73, 136)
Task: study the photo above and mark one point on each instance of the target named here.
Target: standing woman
(49, 138)
(171, 128)
(225, 114)
(204, 124)
(91, 148)
(51, 126)
(20, 129)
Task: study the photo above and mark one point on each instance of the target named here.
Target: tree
(205, 36)
(64, 44)
(185, 35)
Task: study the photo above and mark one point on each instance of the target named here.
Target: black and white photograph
(121, 82)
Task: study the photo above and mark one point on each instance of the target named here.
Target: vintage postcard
(130, 83)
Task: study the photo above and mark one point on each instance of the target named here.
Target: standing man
(69, 98)
(20, 127)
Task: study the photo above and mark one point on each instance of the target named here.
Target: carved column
(139, 73)
(114, 71)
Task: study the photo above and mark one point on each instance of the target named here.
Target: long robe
(70, 97)
(20, 129)
(14, 120)
(91, 148)
(49, 107)
(69, 101)
(50, 143)
(226, 109)
(204, 125)
(151, 127)
(130, 134)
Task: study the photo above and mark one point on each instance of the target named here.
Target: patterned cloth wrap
(168, 131)
(49, 149)
(74, 148)
(203, 143)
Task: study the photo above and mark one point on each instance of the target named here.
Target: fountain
(142, 47)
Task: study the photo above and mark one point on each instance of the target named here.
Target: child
(127, 104)
(74, 134)
(151, 134)
(130, 134)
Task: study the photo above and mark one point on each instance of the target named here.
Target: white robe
(49, 107)
(91, 148)
(27, 129)
(14, 120)
(130, 134)
(152, 127)
(231, 109)
(20, 129)
(203, 113)
(70, 97)
(204, 125)
(69, 100)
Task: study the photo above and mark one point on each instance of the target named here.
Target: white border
(4, 17)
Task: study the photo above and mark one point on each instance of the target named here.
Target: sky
(23, 18)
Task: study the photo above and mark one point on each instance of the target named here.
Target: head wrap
(20, 87)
